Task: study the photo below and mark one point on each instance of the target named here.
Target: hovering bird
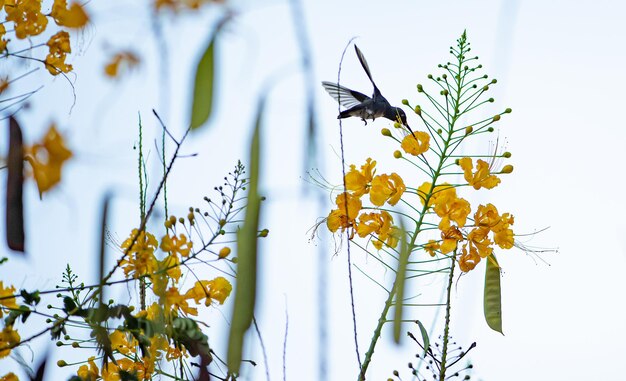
(362, 106)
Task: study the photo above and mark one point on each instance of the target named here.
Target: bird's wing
(366, 67)
(346, 97)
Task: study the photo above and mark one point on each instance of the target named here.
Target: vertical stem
(446, 330)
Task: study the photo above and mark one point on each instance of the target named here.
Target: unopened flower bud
(507, 154)
(469, 130)
(507, 169)
(224, 252)
(418, 110)
(420, 89)
(444, 93)
(485, 88)
(234, 260)
(397, 125)
(457, 161)
(385, 132)
(490, 129)
(508, 111)
(397, 154)
(59, 344)
(494, 81)
(405, 102)
(222, 222)
(496, 118)
(75, 345)
(61, 363)
(264, 233)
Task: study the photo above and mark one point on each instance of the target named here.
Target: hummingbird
(362, 106)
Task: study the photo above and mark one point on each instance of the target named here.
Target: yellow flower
(125, 59)
(89, 371)
(140, 259)
(59, 45)
(9, 377)
(111, 371)
(416, 145)
(74, 17)
(176, 245)
(119, 342)
(6, 298)
(439, 193)
(450, 239)
(27, 16)
(478, 238)
(8, 337)
(47, 159)
(374, 223)
(431, 247)
(486, 216)
(338, 217)
(358, 182)
(502, 234)
(468, 260)
(482, 178)
(224, 252)
(217, 289)
(172, 264)
(380, 224)
(452, 209)
(387, 188)
(173, 299)
(3, 42)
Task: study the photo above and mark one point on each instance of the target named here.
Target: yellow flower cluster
(452, 209)
(29, 21)
(385, 188)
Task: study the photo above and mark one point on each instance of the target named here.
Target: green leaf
(203, 87)
(403, 262)
(245, 293)
(492, 297)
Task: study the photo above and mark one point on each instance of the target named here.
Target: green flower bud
(418, 110)
(507, 154)
(494, 81)
(420, 89)
(59, 343)
(486, 88)
(469, 130)
(490, 129)
(496, 118)
(385, 132)
(264, 233)
(508, 111)
(61, 363)
(405, 102)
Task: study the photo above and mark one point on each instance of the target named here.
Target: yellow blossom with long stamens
(27, 16)
(47, 159)
(217, 289)
(338, 218)
(74, 17)
(59, 45)
(482, 178)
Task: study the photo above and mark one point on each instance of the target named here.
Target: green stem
(446, 330)
(442, 159)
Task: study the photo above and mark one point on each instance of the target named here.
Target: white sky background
(559, 66)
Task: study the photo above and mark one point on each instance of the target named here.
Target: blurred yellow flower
(7, 299)
(120, 343)
(121, 61)
(8, 337)
(74, 17)
(59, 45)
(89, 371)
(176, 245)
(47, 159)
(27, 16)
(9, 377)
(173, 299)
(217, 289)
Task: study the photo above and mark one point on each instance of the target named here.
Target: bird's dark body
(362, 106)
